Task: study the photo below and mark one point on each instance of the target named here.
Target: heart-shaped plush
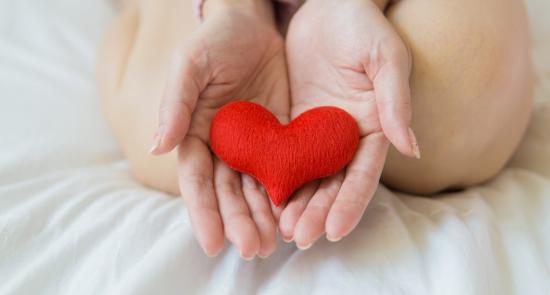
(250, 139)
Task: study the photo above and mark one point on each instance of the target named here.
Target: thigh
(132, 69)
(471, 90)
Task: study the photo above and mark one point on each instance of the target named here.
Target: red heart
(250, 139)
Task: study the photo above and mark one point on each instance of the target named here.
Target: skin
(358, 62)
(155, 56)
(461, 147)
(209, 71)
(471, 91)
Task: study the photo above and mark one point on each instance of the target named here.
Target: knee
(471, 95)
(462, 153)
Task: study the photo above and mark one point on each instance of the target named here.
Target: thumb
(182, 91)
(393, 99)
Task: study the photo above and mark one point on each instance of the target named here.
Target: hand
(346, 54)
(236, 54)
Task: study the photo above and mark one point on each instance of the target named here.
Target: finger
(239, 227)
(277, 211)
(311, 224)
(393, 99)
(293, 210)
(185, 82)
(195, 169)
(360, 183)
(262, 215)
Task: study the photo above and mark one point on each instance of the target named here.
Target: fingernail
(212, 255)
(333, 239)
(262, 257)
(247, 258)
(304, 247)
(414, 144)
(287, 240)
(156, 143)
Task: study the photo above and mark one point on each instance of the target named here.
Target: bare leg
(132, 63)
(471, 90)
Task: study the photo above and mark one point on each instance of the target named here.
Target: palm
(334, 85)
(259, 75)
(338, 65)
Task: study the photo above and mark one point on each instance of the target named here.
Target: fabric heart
(250, 139)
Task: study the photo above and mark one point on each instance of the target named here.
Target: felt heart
(250, 139)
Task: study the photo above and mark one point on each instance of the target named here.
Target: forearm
(382, 4)
(261, 8)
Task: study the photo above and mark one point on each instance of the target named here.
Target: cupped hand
(236, 54)
(347, 54)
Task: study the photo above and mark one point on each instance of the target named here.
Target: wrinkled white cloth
(72, 221)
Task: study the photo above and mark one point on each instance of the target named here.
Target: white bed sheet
(72, 221)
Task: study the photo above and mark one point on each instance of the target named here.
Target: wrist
(262, 9)
(382, 4)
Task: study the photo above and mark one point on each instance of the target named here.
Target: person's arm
(282, 12)
(347, 54)
(236, 53)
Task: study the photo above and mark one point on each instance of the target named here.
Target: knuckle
(396, 51)
(393, 102)
(183, 107)
(228, 188)
(319, 207)
(237, 218)
(263, 216)
(198, 181)
(361, 176)
(351, 206)
(175, 111)
(322, 201)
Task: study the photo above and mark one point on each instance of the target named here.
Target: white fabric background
(72, 221)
